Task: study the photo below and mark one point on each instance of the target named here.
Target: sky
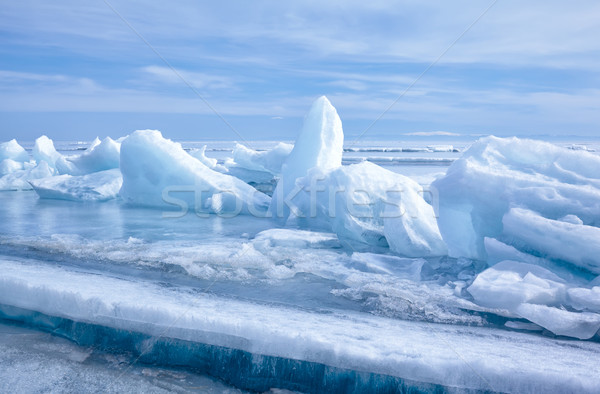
(240, 70)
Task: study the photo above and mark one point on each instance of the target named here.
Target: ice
(97, 186)
(577, 244)
(457, 357)
(8, 166)
(269, 161)
(19, 180)
(43, 150)
(319, 146)
(157, 171)
(100, 156)
(538, 295)
(210, 162)
(496, 174)
(13, 151)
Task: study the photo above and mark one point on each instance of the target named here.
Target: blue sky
(75, 69)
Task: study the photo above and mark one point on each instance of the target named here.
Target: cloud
(196, 79)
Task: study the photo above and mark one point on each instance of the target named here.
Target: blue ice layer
(237, 367)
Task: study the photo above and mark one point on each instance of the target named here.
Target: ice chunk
(392, 265)
(210, 162)
(43, 150)
(18, 180)
(8, 166)
(509, 284)
(319, 146)
(295, 238)
(577, 244)
(367, 203)
(585, 299)
(13, 151)
(268, 161)
(538, 295)
(97, 186)
(157, 171)
(582, 325)
(100, 156)
(495, 174)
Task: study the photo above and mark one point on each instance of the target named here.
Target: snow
(13, 151)
(100, 156)
(43, 150)
(97, 186)
(496, 174)
(154, 167)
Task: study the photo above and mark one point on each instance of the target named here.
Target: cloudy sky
(250, 70)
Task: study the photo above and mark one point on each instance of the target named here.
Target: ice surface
(44, 150)
(8, 166)
(319, 146)
(366, 203)
(495, 174)
(455, 356)
(538, 295)
(266, 161)
(157, 170)
(13, 151)
(19, 180)
(97, 186)
(100, 156)
(577, 244)
(210, 162)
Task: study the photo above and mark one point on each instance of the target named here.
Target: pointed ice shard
(319, 146)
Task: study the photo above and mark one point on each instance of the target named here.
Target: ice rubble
(19, 179)
(97, 186)
(360, 202)
(497, 174)
(158, 172)
(100, 156)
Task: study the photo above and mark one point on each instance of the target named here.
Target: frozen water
(44, 150)
(19, 179)
(97, 186)
(319, 146)
(577, 244)
(13, 151)
(100, 156)
(495, 174)
(210, 162)
(269, 161)
(153, 167)
(349, 340)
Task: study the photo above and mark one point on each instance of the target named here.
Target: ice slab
(495, 174)
(457, 357)
(157, 170)
(270, 160)
(577, 244)
(97, 186)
